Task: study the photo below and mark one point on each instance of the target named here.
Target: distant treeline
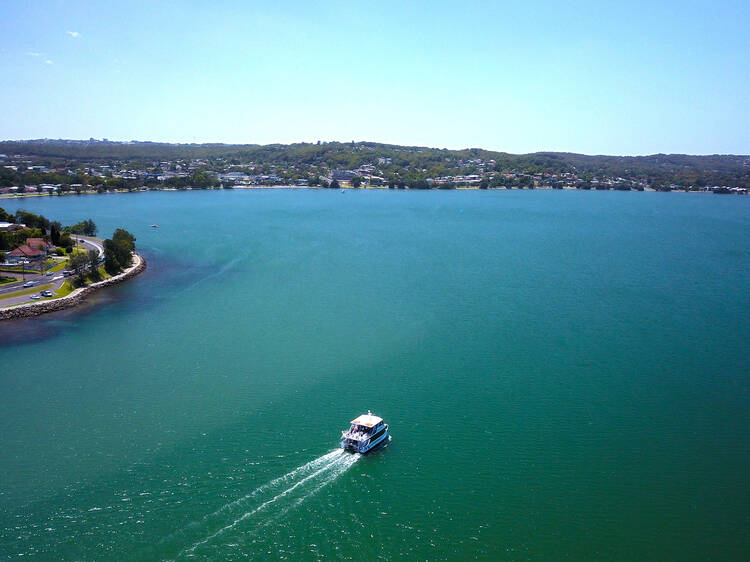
(406, 163)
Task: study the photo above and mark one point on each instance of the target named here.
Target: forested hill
(408, 163)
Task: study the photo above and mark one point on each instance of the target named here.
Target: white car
(35, 297)
(29, 284)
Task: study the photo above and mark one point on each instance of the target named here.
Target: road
(56, 279)
(90, 243)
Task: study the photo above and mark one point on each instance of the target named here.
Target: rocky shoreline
(73, 299)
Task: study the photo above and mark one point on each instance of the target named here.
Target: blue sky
(592, 77)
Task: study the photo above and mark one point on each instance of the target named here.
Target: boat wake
(272, 500)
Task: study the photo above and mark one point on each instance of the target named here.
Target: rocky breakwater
(74, 298)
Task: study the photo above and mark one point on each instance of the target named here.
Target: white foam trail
(336, 471)
(222, 270)
(309, 466)
(289, 476)
(336, 462)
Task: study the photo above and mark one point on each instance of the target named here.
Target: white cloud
(34, 54)
(48, 62)
(73, 33)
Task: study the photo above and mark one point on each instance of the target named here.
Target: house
(11, 226)
(24, 253)
(39, 244)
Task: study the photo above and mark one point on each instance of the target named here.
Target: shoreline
(9, 196)
(76, 297)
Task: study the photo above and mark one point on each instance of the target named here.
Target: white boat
(366, 432)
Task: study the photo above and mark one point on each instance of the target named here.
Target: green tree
(111, 265)
(201, 180)
(122, 236)
(93, 265)
(77, 264)
(118, 251)
(356, 181)
(334, 184)
(54, 233)
(87, 227)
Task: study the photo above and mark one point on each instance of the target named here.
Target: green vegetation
(118, 251)
(77, 264)
(65, 290)
(7, 280)
(59, 266)
(92, 264)
(87, 227)
(79, 166)
(39, 226)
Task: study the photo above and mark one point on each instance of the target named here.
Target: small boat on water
(365, 433)
(154, 226)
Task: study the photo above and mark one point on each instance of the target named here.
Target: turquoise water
(566, 376)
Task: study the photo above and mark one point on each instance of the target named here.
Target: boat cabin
(366, 423)
(365, 432)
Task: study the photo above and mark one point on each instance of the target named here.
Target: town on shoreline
(58, 167)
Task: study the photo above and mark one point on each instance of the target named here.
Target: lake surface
(566, 376)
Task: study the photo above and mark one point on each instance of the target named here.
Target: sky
(590, 77)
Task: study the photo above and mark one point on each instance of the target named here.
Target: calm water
(566, 376)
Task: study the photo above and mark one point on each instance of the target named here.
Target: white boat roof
(367, 420)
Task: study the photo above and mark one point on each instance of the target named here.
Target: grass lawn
(103, 274)
(7, 280)
(65, 290)
(29, 291)
(59, 266)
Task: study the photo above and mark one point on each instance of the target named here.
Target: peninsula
(46, 267)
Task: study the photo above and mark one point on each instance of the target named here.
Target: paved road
(90, 243)
(57, 280)
(35, 277)
(38, 279)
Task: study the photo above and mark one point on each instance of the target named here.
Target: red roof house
(26, 252)
(39, 244)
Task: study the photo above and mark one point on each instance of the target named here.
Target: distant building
(342, 175)
(11, 226)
